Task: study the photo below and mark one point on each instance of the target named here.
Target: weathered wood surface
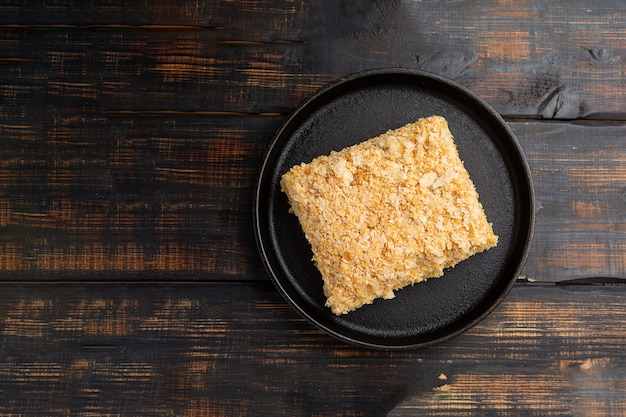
(130, 138)
(579, 175)
(231, 349)
(526, 58)
(132, 135)
(158, 197)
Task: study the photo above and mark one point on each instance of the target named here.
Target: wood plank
(579, 173)
(125, 195)
(111, 70)
(231, 349)
(528, 60)
(132, 197)
(233, 16)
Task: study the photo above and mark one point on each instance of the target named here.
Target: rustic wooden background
(130, 138)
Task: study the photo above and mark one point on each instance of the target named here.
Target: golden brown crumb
(388, 212)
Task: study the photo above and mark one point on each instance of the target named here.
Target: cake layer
(391, 211)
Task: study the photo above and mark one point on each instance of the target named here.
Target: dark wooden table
(131, 135)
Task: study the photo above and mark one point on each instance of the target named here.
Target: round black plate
(364, 105)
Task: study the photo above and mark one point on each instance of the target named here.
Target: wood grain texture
(579, 173)
(526, 58)
(130, 138)
(133, 196)
(232, 349)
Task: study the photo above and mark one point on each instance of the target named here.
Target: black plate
(364, 105)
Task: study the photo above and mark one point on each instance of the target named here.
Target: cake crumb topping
(389, 212)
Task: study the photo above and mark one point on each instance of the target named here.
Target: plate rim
(520, 159)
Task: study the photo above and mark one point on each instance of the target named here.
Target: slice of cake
(388, 212)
